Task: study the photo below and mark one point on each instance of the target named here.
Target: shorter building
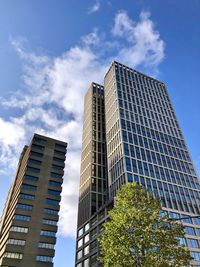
(29, 221)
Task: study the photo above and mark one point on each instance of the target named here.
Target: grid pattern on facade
(93, 185)
(154, 151)
(144, 144)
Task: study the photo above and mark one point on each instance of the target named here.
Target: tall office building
(93, 178)
(29, 221)
(144, 144)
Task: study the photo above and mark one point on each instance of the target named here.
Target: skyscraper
(144, 144)
(93, 181)
(29, 221)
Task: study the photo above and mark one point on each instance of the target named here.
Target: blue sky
(51, 50)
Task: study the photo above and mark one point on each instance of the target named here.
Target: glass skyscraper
(144, 144)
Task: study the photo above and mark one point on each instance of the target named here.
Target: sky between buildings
(50, 51)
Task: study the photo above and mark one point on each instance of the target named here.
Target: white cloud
(144, 46)
(51, 102)
(94, 8)
(12, 136)
(92, 38)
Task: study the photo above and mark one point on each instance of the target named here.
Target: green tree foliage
(139, 234)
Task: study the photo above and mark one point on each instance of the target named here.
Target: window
(198, 231)
(31, 169)
(86, 263)
(24, 207)
(86, 250)
(87, 227)
(36, 154)
(52, 202)
(19, 229)
(57, 152)
(57, 167)
(59, 146)
(13, 255)
(192, 243)
(34, 161)
(196, 221)
(174, 215)
(51, 212)
(44, 258)
(79, 254)
(56, 184)
(186, 218)
(182, 241)
(40, 140)
(196, 256)
(58, 159)
(87, 238)
(189, 230)
(53, 192)
(57, 175)
(130, 177)
(27, 196)
(80, 242)
(38, 147)
(19, 217)
(31, 178)
(47, 233)
(17, 242)
(29, 187)
(50, 222)
(80, 232)
(46, 245)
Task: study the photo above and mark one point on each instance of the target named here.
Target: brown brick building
(29, 221)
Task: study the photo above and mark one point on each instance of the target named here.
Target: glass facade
(145, 144)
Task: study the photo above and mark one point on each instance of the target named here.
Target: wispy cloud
(144, 45)
(51, 101)
(94, 8)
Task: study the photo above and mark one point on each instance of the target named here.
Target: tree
(140, 234)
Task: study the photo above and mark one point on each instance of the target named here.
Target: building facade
(93, 177)
(29, 220)
(145, 144)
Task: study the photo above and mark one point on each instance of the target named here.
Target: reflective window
(46, 245)
(51, 211)
(13, 255)
(24, 207)
(80, 242)
(52, 202)
(57, 175)
(19, 229)
(19, 217)
(31, 178)
(59, 146)
(29, 187)
(53, 192)
(192, 243)
(54, 183)
(36, 154)
(44, 258)
(34, 161)
(47, 233)
(189, 230)
(50, 222)
(17, 242)
(38, 147)
(27, 196)
(31, 169)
